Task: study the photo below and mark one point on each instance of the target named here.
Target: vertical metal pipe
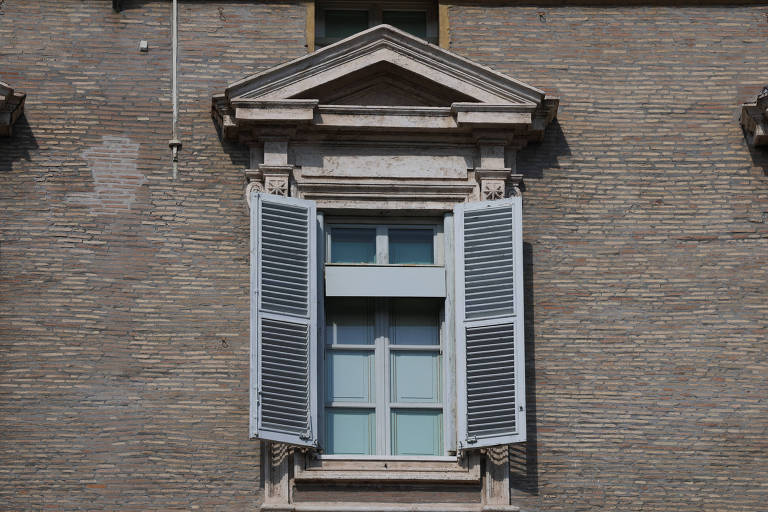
(174, 143)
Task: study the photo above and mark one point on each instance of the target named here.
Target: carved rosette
(272, 179)
(493, 189)
(276, 185)
(498, 183)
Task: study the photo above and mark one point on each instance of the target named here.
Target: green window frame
(338, 19)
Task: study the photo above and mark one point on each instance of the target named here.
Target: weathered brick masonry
(124, 293)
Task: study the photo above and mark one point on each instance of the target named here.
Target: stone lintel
(296, 111)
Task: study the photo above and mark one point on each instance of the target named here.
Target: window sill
(308, 468)
(387, 507)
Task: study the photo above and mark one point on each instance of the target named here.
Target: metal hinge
(471, 440)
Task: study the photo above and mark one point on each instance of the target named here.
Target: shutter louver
(489, 323)
(283, 324)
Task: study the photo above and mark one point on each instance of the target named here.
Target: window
(383, 355)
(420, 329)
(335, 20)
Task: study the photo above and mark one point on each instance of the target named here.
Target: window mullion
(382, 246)
(382, 377)
(375, 15)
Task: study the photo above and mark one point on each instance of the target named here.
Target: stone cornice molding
(754, 120)
(11, 108)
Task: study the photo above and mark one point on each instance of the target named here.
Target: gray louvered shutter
(489, 323)
(283, 319)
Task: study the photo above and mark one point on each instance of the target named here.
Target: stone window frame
(265, 113)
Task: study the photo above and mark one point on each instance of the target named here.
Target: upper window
(337, 19)
(382, 245)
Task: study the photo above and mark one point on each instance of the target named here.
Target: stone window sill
(309, 468)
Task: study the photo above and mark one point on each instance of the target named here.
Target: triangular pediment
(384, 84)
(414, 73)
(383, 79)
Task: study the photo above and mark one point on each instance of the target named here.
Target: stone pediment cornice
(11, 107)
(464, 95)
(754, 120)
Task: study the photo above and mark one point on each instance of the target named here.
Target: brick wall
(647, 223)
(124, 293)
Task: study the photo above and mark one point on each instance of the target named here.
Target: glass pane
(353, 245)
(349, 376)
(415, 377)
(417, 432)
(414, 246)
(349, 322)
(350, 431)
(415, 322)
(413, 22)
(341, 24)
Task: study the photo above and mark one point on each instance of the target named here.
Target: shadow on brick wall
(534, 159)
(523, 457)
(18, 146)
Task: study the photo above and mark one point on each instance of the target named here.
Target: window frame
(375, 9)
(443, 257)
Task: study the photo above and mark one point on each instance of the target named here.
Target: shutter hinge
(305, 435)
(471, 439)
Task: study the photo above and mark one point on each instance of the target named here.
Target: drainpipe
(175, 143)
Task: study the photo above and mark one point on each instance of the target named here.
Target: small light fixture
(143, 46)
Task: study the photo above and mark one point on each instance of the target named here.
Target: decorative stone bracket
(754, 119)
(279, 481)
(11, 108)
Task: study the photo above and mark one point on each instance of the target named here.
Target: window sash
(382, 240)
(385, 404)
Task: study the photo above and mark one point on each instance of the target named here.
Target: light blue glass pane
(413, 22)
(415, 377)
(349, 376)
(349, 322)
(344, 23)
(350, 431)
(415, 322)
(417, 432)
(411, 246)
(353, 245)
